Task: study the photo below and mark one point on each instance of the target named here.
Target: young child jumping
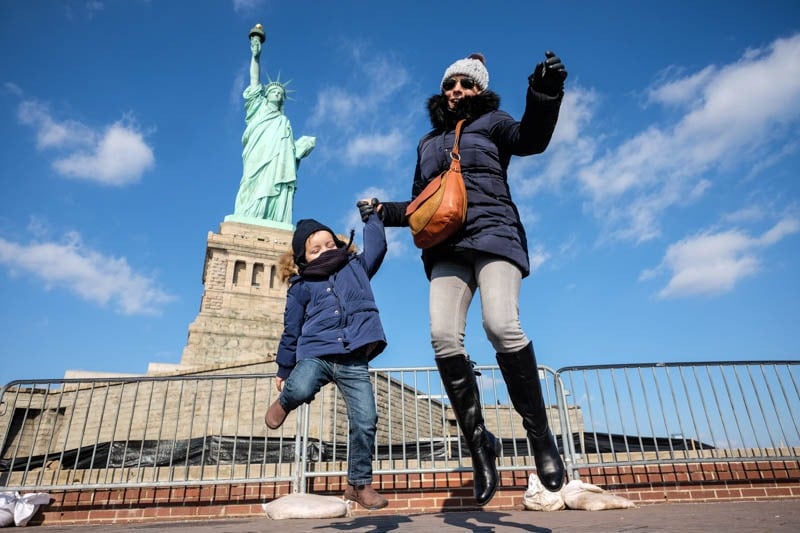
(332, 330)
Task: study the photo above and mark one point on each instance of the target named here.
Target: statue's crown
(278, 83)
(272, 84)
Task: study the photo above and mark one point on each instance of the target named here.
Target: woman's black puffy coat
(488, 140)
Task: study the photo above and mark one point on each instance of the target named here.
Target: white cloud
(13, 88)
(638, 219)
(746, 214)
(538, 255)
(735, 115)
(240, 6)
(87, 273)
(49, 133)
(378, 146)
(782, 229)
(713, 263)
(569, 149)
(240, 81)
(681, 90)
(336, 105)
(117, 156)
(577, 110)
(38, 226)
(93, 6)
(344, 108)
(342, 114)
(528, 215)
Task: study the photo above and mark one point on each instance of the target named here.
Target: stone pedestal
(241, 312)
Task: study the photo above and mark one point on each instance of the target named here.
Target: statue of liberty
(270, 154)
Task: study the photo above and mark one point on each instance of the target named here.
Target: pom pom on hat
(472, 66)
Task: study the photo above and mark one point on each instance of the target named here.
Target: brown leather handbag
(441, 208)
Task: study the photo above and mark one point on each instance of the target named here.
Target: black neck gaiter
(328, 263)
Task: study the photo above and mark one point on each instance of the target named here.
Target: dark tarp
(612, 442)
(214, 450)
(210, 450)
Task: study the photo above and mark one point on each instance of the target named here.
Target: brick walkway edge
(412, 494)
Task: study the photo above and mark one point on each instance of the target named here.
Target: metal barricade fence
(208, 429)
(666, 413)
(141, 431)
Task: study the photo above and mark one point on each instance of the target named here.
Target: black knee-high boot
(462, 389)
(522, 378)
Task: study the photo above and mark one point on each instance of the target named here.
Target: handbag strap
(457, 139)
(455, 157)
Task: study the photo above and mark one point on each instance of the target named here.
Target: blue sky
(663, 220)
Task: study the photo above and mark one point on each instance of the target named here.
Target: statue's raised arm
(256, 39)
(270, 156)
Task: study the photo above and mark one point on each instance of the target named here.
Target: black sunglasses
(466, 83)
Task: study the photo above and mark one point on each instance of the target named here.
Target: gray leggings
(453, 286)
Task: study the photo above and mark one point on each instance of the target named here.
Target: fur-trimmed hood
(470, 108)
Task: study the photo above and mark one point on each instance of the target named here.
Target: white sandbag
(588, 497)
(7, 502)
(27, 505)
(19, 509)
(305, 506)
(538, 498)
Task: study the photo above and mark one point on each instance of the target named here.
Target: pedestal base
(241, 312)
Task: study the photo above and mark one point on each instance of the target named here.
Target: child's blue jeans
(350, 373)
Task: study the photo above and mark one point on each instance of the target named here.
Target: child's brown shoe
(365, 496)
(275, 416)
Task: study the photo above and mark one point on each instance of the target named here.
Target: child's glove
(367, 207)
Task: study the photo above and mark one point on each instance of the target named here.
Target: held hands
(548, 76)
(279, 383)
(367, 207)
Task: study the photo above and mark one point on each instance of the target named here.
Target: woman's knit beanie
(472, 66)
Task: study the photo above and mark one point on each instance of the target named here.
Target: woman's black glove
(367, 207)
(548, 76)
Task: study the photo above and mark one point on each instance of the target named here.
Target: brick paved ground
(727, 517)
